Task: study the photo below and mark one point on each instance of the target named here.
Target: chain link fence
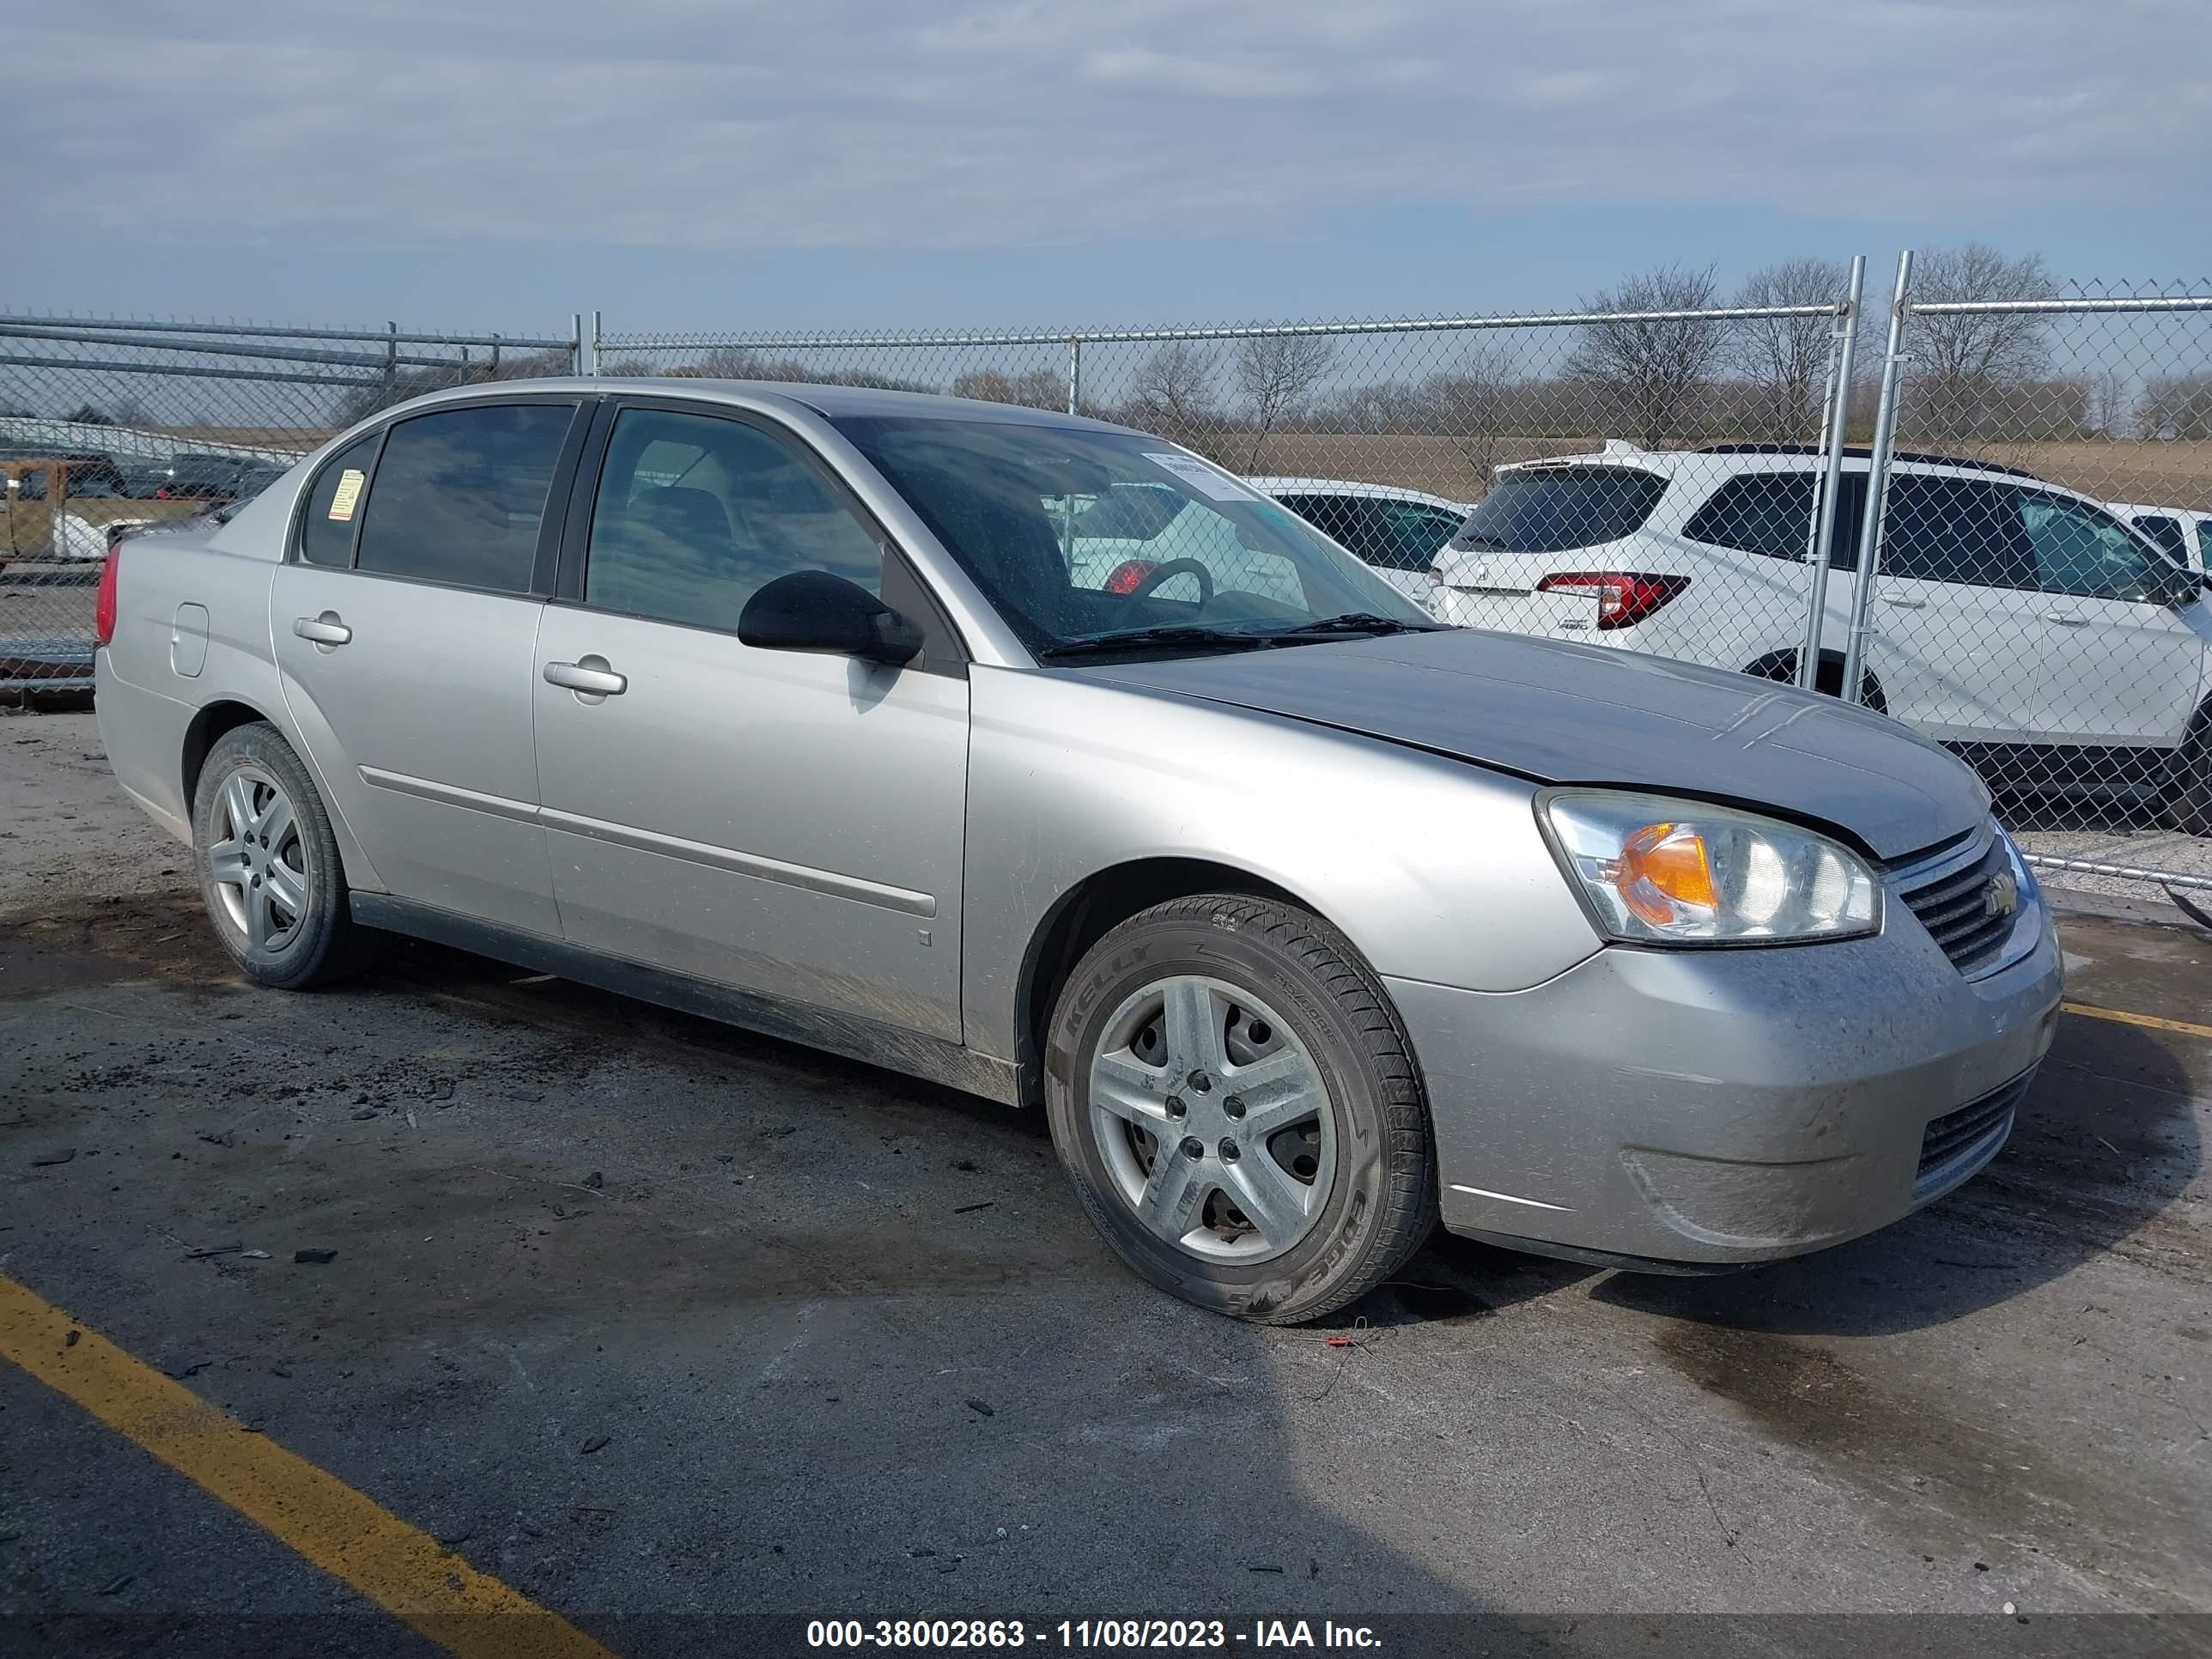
(108, 424)
(1984, 516)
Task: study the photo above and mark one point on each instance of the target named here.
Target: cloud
(700, 123)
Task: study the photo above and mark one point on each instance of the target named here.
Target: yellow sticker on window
(348, 492)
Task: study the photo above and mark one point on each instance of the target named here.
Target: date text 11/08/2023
(1124, 1635)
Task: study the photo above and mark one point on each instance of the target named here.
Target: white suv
(2015, 620)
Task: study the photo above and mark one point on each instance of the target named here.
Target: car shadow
(2107, 1139)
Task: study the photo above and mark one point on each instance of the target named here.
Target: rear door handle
(2064, 620)
(325, 630)
(590, 676)
(1905, 605)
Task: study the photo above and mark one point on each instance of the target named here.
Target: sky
(721, 164)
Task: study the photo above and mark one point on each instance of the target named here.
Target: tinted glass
(459, 496)
(1769, 513)
(1413, 534)
(1953, 530)
(1392, 535)
(2205, 543)
(335, 504)
(695, 513)
(1560, 508)
(2165, 532)
(2083, 551)
(1013, 503)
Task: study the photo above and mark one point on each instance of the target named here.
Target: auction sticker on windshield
(348, 493)
(1215, 485)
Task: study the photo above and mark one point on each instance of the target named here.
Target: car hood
(1560, 713)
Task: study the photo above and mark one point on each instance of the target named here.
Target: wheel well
(1828, 676)
(207, 727)
(1087, 913)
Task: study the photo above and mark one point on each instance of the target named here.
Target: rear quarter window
(1558, 509)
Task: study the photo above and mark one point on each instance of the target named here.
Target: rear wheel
(1238, 1109)
(267, 863)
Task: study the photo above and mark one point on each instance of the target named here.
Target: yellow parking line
(406, 1572)
(2120, 1016)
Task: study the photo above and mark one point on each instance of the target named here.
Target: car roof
(832, 402)
(1727, 460)
(2137, 509)
(1271, 485)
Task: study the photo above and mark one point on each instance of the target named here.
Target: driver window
(2082, 552)
(695, 513)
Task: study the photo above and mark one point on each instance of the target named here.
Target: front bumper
(1704, 1108)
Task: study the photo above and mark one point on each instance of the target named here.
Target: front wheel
(2189, 803)
(267, 863)
(1238, 1111)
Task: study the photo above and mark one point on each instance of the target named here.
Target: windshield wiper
(1137, 638)
(1352, 622)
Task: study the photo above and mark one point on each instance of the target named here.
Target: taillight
(103, 606)
(1128, 575)
(1625, 598)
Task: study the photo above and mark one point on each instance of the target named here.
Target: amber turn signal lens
(1662, 865)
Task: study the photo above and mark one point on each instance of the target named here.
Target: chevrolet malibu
(1309, 922)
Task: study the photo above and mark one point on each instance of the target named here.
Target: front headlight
(1655, 871)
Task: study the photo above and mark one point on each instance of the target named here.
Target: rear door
(1955, 627)
(405, 624)
(787, 824)
(2118, 663)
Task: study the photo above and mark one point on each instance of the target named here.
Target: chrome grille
(1953, 909)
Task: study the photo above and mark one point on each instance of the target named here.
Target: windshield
(1550, 510)
(1081, 537)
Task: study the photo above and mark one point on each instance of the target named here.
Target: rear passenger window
(335, 504)
(1953, 530)
(459, 496)
(1765, 513)
(2166, 532)
(696, 514)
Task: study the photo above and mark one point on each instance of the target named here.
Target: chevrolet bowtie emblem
(2002, 897)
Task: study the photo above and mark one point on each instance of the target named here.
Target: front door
(1954, 632)
(785, 823)
(405, 626)
(2120, 665)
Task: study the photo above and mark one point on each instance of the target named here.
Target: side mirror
(814, 611)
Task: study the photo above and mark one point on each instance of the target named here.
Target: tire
(280, 909)
(1332, 1157)
(2189, 804)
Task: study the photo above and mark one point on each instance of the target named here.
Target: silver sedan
(1309, 922)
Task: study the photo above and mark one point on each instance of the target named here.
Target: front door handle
(589, 675)
(2065, 620)
(1905, 605)
(325, 630)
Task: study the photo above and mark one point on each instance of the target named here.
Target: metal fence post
(1835, 415)
(598, 333)
(391, 362)
(1877, 491)
(576, 342)
(1074, 374)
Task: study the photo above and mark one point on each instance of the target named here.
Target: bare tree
(1786, 359)
(1173, 392)
(1968, 367)
(1037, 388)
(2176, 406)
(1656, 368)
(1278, 374)
(1473, 406)
(2109, 403)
